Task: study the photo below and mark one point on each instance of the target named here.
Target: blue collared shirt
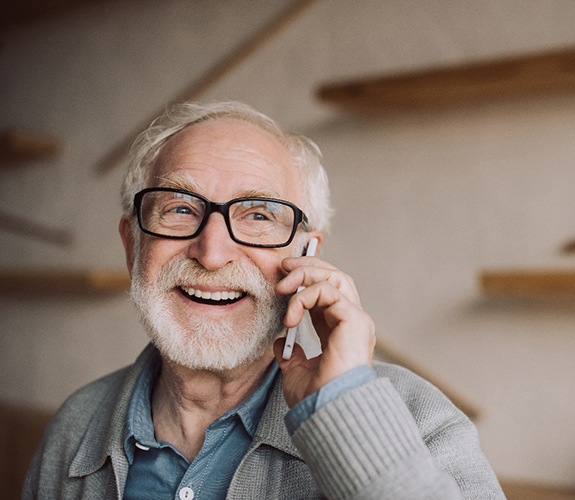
(158, 470)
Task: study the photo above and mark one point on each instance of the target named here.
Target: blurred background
(447, 129)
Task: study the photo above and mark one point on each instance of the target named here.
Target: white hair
(305, 153)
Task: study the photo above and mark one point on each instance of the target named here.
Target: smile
(215, 298)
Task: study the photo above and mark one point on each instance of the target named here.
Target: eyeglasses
(256, 222)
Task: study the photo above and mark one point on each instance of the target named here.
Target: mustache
(237, 275)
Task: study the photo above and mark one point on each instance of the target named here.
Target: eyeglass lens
(251, 220)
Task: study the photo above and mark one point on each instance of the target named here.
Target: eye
(180, 210)
(180, 204)
(253, 211)
(259, 216)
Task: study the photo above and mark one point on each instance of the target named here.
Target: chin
(215, 345)
(198, 353)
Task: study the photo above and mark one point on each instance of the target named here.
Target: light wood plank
(26, 11)
(34, 281)
(520, 490)
(16, 145)
(521, 76)
(527, 282)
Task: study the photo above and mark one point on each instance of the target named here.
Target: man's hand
(345, 330)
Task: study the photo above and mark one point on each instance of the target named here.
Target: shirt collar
(251, 410)
(139, 424)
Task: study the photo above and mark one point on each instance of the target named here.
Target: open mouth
(220, 298)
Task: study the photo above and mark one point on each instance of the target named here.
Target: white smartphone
(292, 332)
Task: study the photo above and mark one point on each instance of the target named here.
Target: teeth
(229, 295)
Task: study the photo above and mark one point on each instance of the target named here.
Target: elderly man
(219, 207)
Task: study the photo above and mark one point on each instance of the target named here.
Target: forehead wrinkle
(171, 166)
(204, 147)
(191, 149)
(182, 179)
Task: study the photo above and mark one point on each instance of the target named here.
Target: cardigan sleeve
(375, 443)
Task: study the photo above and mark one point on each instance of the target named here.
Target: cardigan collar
(104, 435)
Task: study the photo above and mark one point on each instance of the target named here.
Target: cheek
(270, 263)
(152, 256)
(271, 271)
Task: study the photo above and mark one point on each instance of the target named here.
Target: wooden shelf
(83, 281)
(19, 145)
(16, 13)
(528, 282)
(519, 490)
(526, 75)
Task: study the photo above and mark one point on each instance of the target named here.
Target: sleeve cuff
(308, 406)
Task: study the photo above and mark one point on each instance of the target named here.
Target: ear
(127, 236)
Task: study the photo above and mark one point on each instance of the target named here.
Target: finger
(329, 309)
(306, 276)
(348, 331)
(290, 263)
(319, 298)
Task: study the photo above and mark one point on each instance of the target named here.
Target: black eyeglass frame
(223, 208)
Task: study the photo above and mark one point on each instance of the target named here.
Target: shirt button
(186, 493)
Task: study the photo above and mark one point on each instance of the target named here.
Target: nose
(213, 248)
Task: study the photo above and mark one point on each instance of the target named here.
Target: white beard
(216, 345)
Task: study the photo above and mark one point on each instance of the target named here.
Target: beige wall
(424, 201)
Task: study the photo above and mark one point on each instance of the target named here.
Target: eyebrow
(180, 183)
(259, 193)
(187, 184)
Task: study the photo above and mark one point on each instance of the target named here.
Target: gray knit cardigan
(396, 437)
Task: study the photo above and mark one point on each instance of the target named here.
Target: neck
(185, 402)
